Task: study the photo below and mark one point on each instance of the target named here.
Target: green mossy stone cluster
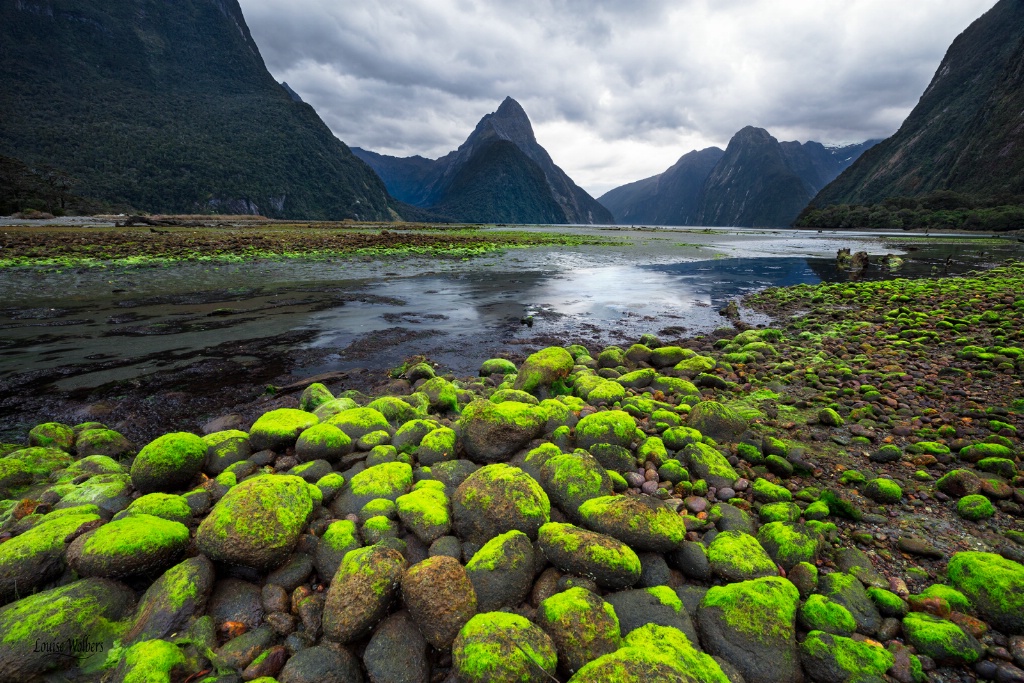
(994, 585)
(499, 498)
(653, 653)
(942, 640)
(165, 505)
(737, 556)
(835, 658)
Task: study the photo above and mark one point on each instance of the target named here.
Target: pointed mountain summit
(500, 174)
(168, 107)
(756, 182)
(966, 134)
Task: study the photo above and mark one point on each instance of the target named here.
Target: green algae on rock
(607, 427)
(571, 480)
(975, 507)
(994, 585)
(582, 626)
(499, 498)
(737, 556)
(831, 658)
(131, 546)
(606, 560)
(492, 432)
(164, 505)
(36, 557)
(362, 591)
(942, 640)
(257, 523)
(169, 462)
(424, 511)
(502, 571)
(641, 522)
(652, 653)
(278, 429)
(497, 646)
(818, 613)
(789, 544)
(542, 371)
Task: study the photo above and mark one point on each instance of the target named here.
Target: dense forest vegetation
(942, 210)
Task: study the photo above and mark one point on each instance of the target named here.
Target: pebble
(986, 669)
(1016, 647)
(1008, 673)
(649, 487)
(696, 504)
(918, 546)
(726, 493)
(634, 480)
(741, 485)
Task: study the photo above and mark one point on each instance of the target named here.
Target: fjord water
(83, 328)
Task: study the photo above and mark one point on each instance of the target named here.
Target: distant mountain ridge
(457, 185)
(966, 133)
(168, 107)
(756, 181)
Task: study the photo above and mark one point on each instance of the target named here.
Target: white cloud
(616, 90)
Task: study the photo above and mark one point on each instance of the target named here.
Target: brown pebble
(268, 666)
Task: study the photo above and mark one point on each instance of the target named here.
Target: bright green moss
(859, 659)
(889, 604)
(980, 451)
(735, 555)
(941, 640)
(883, 491)
(709, 462)
(955, 598)
(497, 366)
(164, 505)
(779, 512)
(975, 507)
(652, 450)
(52, 435)
(666, 596)
(279, 428)
(527, 495)
(852, 478)
(134, 535)
(358, 422)
(788, 543)
(609, 426)
(543, 369)
(817, 510)
(606, 513)
(764, 608)
(426, 505)
(387, 480)
(819, 613)
(379, 506)
(767, 492)
(493, 552)
(40, 461)
(44, 539)
(994, 585)
(501, 646)
(606, 393)
(574, 477)
(340, 535)
(620, 557)
(228, 479)
(314, 396)
(152, 661)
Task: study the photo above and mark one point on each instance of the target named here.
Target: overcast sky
(617, 90)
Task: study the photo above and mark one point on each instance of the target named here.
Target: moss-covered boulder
(52, 435)
(737, 556)
(135, 545)
(327, 410)
(789, 544)
(499, 498)
(111, 493)
(424, 511)
(752, 625)
(975, 508)
(493, 432)
(542, 370)
(439, 597)
(695, 365)
(980, 451)
(883, 490)
(103, 442)
(169, 462)
(818, 613)
(337, 540)
(40, 461)
(497, 366)
(614, 427)
(582, 626)
(151, 661)
(717, 421)
(362, 591)
(442, 396)
(278, 429)
(606, 560)
(653, 653)
(36, 557)
(641, 522)
(387, 480)
(224, 449)
(572, 479)
(837, 659)
(258, 522)
(322, 441)
(497, 646)
(164, 505)
(169, 604)
(846, 590)
(830, 418)
(994, 585)
(437, 445)
(409, 435)
(314, 396)
(709, 464)
(942, 640)
(502, 571)
(358, 422)
(95, 608)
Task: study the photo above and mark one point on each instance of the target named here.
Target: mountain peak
(510, 109)
(509, 122)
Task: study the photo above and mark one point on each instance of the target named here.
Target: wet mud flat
(145, 347)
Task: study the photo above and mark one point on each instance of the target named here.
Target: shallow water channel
(80, 329)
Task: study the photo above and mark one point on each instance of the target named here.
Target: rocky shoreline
(834, 499)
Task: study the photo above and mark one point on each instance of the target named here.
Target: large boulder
(169, 462)
(994, 585)
(387, 480)
(278, 429)
(710, 465)
(608, 561)
(641, 522)
(737, 556)
(137, 544)
(36, 557)
(582, 626)
(362, 591)
(89, 608)
(502, 571)
(258, 522)
(614, 427)
(653, 653)
(493, 432)
(496, 499)
(837, 659)
(572, 479)
(713, 419)
(752, 625)
(173, 599)
(440, 598)
(543, 369)
(497, 646)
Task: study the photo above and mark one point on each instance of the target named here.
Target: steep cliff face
(168, 106)
(669, 198)
(448, 183)
(756, 182)
(966, 134)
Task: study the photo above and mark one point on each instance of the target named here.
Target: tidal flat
(554, 461)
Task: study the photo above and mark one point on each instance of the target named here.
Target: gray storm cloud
(616, 90)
